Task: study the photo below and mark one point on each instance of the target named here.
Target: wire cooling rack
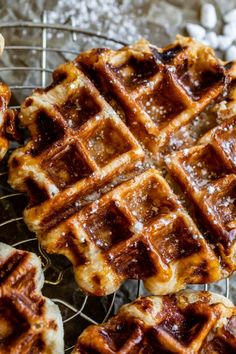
(77, 309)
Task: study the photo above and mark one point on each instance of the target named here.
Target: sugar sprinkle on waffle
(97, 173)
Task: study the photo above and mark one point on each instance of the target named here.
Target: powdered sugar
(211, 189)
(104, 17)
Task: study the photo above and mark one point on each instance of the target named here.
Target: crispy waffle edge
(186, 322)
(28, 320)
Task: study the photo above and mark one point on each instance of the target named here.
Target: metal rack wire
(74, 312)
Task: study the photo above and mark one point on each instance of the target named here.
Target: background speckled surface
(158, 21)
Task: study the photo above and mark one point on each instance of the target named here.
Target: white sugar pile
(112, 18)
(206, 33)
(158, 21)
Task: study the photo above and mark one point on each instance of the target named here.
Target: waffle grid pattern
(71, 125)
(43, 27)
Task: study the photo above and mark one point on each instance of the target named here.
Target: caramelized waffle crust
(188, 322)
(29, 322)
(95, 168)
(4, 100)
(207, 173)
(8, 118)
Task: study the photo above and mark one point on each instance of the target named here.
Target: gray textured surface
(158, 21)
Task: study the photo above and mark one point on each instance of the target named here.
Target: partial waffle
(158, 91)
(29, 322)
(140, 231)
(4, 100)
(188, 322)
(208, 174)
(8, 118)
(100, 133)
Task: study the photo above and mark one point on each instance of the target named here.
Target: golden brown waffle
(78, 141)
(8, 118)
(207, 173)
(29, 322)
(138, 223)
(184, 323)
(158, 90)
(4, 100)
(85, 150)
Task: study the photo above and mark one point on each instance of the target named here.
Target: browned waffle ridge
(183, 323)
(29, 322)
(100, 136)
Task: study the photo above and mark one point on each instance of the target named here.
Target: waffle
(157, 90)
(207, 173)
(29, 322)
(95, 165)
(188, 322)
(130, 228)
(9, 129)
(4, 100)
